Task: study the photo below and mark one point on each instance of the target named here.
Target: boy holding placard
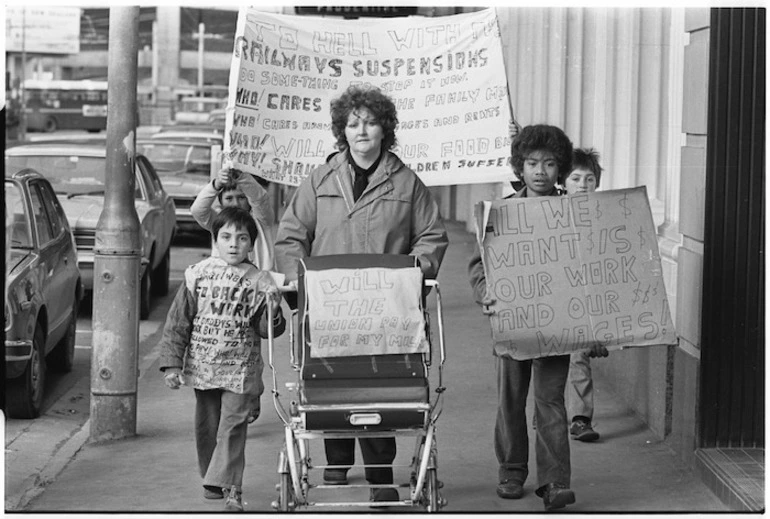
(584, 178)
(541, 155)
(211, 341)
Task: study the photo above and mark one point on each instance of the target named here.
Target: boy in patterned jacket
(211, 341)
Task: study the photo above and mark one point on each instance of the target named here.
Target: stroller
(341, 394)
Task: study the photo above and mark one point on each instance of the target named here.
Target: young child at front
(584, 178)
(541, 155)
(234, 188)
(211, 342)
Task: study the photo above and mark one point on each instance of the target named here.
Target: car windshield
(176, 158)
(68, 174)
(18, 219)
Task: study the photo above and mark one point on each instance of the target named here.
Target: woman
(364, 200)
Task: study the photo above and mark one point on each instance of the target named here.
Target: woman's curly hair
(542, 137)
(379, 105)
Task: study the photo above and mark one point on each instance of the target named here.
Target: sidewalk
(628, 470)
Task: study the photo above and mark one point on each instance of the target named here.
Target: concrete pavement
(628, 470)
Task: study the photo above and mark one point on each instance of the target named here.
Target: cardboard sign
(370, 311)
(224, 349)
(570, 271)
(445, 75)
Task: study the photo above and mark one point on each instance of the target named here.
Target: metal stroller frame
(305, 421)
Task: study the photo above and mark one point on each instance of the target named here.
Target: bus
(63, 104)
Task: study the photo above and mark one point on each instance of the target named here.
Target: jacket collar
(341, 171)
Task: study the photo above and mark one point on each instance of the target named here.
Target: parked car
(192, 134)
(207, 128)
(184, 167)
(42, 293)
(197, 109)
(77, 173)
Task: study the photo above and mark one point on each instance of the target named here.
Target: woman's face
(364, 133)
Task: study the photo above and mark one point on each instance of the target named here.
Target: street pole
(201, 43)
(117, 252)
(23, 118)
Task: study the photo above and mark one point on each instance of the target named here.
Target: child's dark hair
(542, 137)
(240, 218)
(588, 159)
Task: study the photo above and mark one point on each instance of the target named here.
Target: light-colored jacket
(214, 325)
(206, 206)
(396, 214)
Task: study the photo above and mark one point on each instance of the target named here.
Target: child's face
(233, 244)
(540, 172)
(580, 181)
(235, 198)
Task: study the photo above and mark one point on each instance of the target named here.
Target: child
(541, 155)
(233, 188)
(211, 342)
(584, 178)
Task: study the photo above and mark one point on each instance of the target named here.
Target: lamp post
(117, 251)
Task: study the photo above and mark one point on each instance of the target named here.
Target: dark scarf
(361, 175)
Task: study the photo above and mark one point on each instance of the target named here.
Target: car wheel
(25, 394)
(50, 125)
(160, 276)
(144, 293)
(62, 358)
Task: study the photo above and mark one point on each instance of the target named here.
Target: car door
(165, 204)
(52, 264)
(66, 250)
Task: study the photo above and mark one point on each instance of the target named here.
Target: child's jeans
(511, 438)
(580, 390)
(221, 423)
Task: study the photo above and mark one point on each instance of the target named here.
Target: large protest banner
(445, 75)
(570, 271)
(371, 311)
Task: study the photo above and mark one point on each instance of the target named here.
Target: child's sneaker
(233, 501)
(210, 492)
(581, 430)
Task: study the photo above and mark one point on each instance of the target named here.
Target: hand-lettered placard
(567, 272)
(224, 350)
(445, 75)
(369, 311)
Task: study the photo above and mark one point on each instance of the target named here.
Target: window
(40, 217)
(51, 206)
(16, 214)
(151, 178)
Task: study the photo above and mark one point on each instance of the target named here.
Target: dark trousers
(552, 437)
(373, 450)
